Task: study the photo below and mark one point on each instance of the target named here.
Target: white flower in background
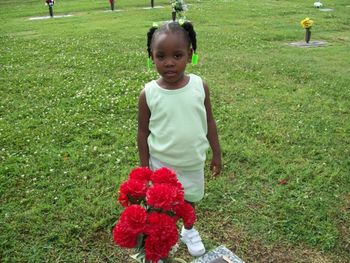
(318, 4)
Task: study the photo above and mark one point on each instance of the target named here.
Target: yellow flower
(306, 23)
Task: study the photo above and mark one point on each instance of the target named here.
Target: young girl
(175, 120)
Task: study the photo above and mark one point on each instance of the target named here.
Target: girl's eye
(178, 56)
(160, 56)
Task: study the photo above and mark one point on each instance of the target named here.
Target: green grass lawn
(69, 89)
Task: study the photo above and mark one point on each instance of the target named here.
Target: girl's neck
(182, 82)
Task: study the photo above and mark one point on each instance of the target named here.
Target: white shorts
(192, 181)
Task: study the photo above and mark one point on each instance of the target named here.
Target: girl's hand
(215, 166)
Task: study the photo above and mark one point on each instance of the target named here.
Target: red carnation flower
(123, 195)
(124, 236)
(163, 227)
(141, 174)
(135, 217)
(164, 175)
(187, 213)
(155, 250)
(137, 188)
(180, 195)
(162, 196)
(132, 192)
(162, 234)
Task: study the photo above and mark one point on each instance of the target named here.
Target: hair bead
(194, 58)
(149, 63)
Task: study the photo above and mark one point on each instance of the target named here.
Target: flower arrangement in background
(318, 4)
(178, 9)
(154, 202)
(307, 24)
(50, 4)
(111, 3)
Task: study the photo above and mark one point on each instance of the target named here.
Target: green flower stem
(179, 260)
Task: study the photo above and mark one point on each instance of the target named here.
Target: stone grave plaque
(219, 255)
(155, 7)
(48, 17)
(303, 44)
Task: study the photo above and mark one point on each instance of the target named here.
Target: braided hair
(174, 27)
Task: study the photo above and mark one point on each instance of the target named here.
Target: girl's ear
(190, 53)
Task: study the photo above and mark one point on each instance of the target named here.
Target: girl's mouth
(170, 73)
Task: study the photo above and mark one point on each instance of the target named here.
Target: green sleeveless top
(178, 124)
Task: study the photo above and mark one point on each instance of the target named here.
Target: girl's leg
(192, 239)
(193, 205)
(193, 183)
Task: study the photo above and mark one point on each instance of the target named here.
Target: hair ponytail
(150, 34)
(191, 34)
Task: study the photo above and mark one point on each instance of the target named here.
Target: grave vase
(50, 10)
(112, 4)
(307, 35)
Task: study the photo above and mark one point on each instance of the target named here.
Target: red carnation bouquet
(154, 202)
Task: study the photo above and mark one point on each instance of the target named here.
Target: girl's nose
(169, 62)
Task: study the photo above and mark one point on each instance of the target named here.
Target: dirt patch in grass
(258, 252)
(343, 227)
(102, 241)
(252, 249)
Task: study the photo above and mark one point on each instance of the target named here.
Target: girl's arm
(213, 138)
(143, 130)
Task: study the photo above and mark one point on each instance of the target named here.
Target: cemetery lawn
(68, 119)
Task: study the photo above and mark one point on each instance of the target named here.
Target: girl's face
(170, 54)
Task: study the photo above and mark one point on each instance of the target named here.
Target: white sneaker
(193, 241)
